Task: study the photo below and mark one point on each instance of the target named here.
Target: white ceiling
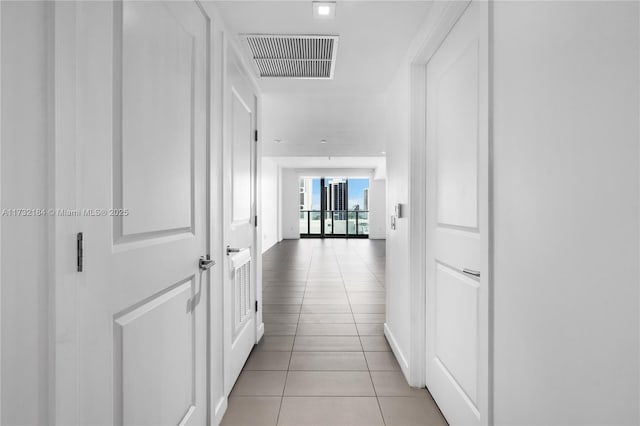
(349, 111)
(345, 166)
(350, 125)
(329, 162)
(374, 36)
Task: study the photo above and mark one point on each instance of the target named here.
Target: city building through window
(334, 207)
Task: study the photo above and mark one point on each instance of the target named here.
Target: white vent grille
(293, 56)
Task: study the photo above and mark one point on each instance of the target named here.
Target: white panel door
(457, 221)
(142, 123)
(239, 218)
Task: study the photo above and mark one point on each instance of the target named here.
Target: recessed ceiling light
(383, 152)
(277, 141)
(324, 9)
(323, 141)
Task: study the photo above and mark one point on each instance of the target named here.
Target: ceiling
(374, 36)
(349, 166)
(297, 124)
(350, 111)
(329, 162)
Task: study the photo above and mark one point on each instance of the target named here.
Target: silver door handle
(471, 272)
(232, 250)
(205, 263)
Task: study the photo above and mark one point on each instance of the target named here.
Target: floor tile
(283, 300)
(330, 411)
(325, 301)
(280, 329)
(370, 329)
(325, 294)
(260, 383)
(268, 360)
(281, 309)
(328, 383)
(355, 298)
(280, 318)
(409, 411)
(382, 361)
(369, 318)
(275, 343)
(327, 343)
(326, 309)
(252, 411)
(374, 343)
(368, 308)
(393, 383)
(327, 318)
(314, 329)
(329, 361)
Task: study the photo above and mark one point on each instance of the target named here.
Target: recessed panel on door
(241, 157)
(154, 365)
(457, 328)
(457, 141)
(154, 121)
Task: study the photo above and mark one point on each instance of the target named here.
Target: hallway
(324, 358)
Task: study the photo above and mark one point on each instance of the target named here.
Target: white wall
(269, 219)
(290, 209)
(566, 212)
(25, 115)
(377, 209)
(398, 320)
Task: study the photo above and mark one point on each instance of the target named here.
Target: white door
(239, 219)
(142, 122)
(457, 221)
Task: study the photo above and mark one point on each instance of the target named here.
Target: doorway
(334, 207)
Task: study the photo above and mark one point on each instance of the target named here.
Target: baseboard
(259, 332)
(221, 408)
(402, 360)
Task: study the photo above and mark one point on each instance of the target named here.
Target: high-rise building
(306, 193)
(365, 199)
(337, 195)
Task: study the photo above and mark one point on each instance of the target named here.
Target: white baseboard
(259, 332)
(402, 360)
(221, 408)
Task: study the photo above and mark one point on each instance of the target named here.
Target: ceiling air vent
(293, 56)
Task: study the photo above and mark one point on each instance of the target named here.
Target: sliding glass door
(334, 208)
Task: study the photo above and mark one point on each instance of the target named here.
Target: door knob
(205, 263)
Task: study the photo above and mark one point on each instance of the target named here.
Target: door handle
(205, 263)
(471, 272)
(232, 250)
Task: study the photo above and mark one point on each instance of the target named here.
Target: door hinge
(256, 306)
(255, 135)
(256, 220)
(79, 251)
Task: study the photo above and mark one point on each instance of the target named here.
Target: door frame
(230, 47)
(64, 161)
(446, 17)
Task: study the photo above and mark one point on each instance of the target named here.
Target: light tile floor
(324, 359)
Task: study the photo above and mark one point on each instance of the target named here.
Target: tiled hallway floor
(324, 359)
